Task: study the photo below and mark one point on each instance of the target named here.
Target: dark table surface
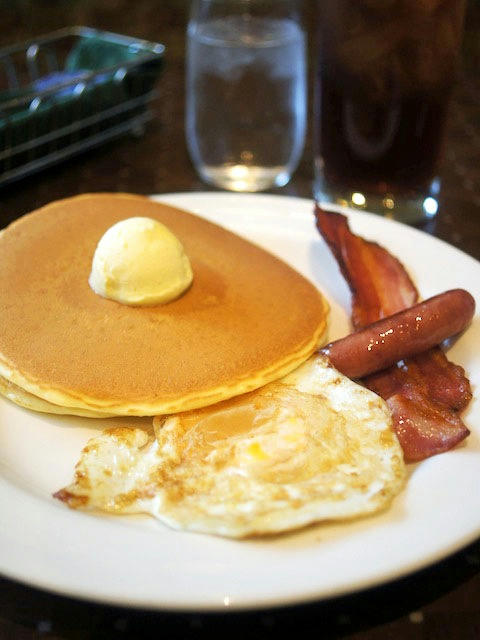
(442, 601)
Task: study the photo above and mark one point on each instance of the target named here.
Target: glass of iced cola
(385, 73)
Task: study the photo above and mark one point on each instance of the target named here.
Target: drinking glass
(245, 92)
(386, 71)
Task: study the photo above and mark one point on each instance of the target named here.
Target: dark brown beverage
(385, 73)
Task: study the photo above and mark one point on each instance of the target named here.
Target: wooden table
(440, 602)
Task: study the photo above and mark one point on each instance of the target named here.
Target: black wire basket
(71, 90)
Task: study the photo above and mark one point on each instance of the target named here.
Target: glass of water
(245, 92)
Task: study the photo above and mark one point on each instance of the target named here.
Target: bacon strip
(425, 393)
(379, 283)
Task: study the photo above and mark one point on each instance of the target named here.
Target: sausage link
(401, 335)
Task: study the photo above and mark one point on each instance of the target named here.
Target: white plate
(137, 561)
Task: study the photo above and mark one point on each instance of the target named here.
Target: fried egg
(313, 446)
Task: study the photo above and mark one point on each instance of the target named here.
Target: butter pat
(139, 261)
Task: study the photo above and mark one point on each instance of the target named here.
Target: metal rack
(71, 90)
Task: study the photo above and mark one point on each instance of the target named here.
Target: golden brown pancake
(248, 318)
(28, 401)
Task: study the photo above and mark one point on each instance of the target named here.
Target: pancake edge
(69, 403)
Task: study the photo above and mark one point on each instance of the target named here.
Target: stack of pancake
(247, 319)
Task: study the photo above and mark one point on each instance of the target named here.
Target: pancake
(28, 401)
(247, 319)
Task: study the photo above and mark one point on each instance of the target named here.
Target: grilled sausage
(402, 334)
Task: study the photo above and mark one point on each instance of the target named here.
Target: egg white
(311, 447)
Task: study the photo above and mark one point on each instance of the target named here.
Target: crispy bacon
(424, 428)
(424, 393)
(437, 378)
(367, 267)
